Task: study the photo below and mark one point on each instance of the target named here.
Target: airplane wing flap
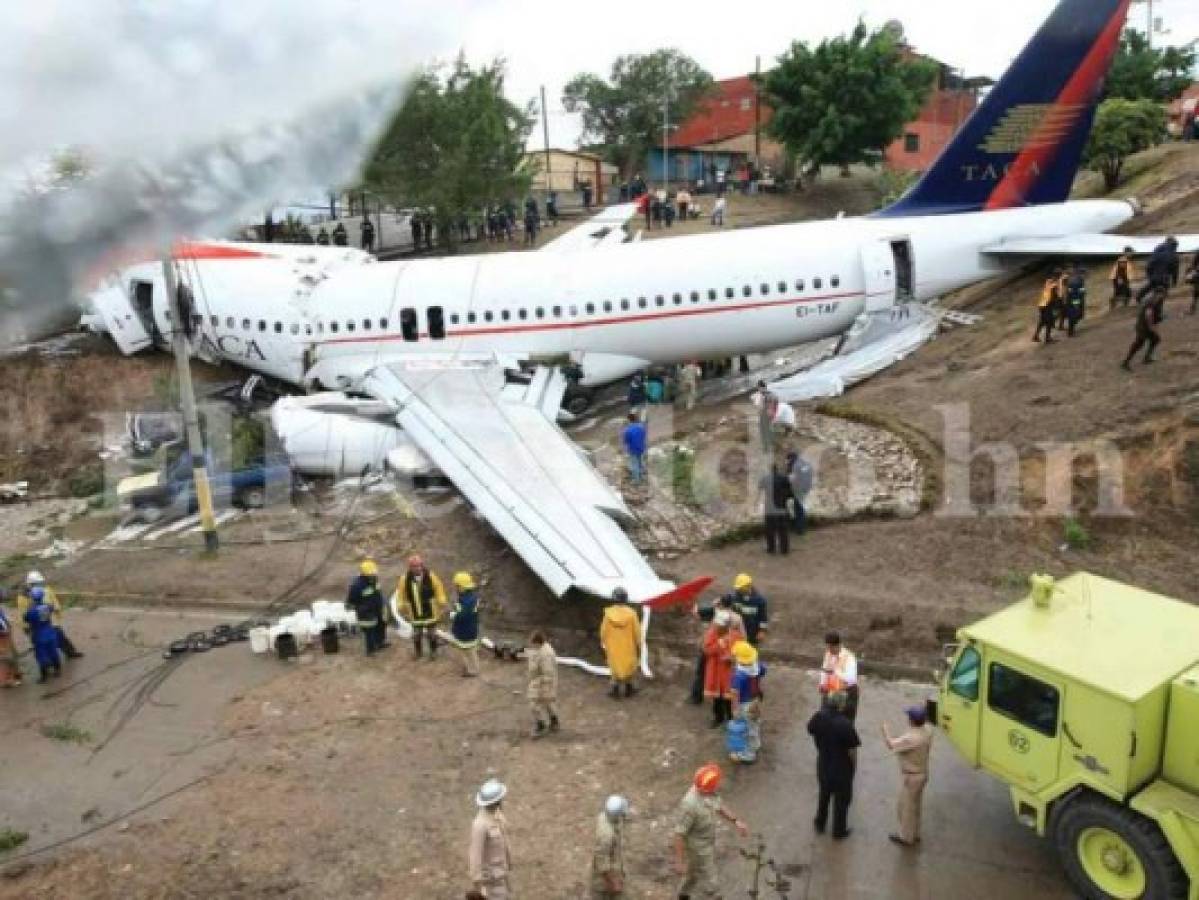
(521, 473)
(1087, 245)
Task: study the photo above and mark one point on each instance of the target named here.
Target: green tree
(1122, 128)
(1140, 72)
(846, 100)
(455, 146)
(624, 113)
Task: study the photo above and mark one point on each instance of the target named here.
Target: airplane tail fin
(1022, 146)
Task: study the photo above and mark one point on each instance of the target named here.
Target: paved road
(972, 845)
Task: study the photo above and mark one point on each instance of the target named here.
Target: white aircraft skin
(616, 308)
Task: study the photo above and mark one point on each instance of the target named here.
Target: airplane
(432, 349)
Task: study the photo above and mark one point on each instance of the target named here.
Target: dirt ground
(353, 776)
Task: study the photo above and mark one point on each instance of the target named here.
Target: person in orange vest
(1048, 306)
(718, 666)
(1123, 273)
(839, 672)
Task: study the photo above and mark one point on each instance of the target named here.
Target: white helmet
(491, 793)
(616, 807)
(35, 577)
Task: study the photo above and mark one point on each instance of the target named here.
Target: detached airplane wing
(1087, 245)
(601, 230)
(499, 443)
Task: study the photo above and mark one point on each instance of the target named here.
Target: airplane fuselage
(616, 308)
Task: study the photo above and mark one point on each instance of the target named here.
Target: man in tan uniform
(543, 684)
(490, 857)
(695, 835)
(607, 862)
(912, 750)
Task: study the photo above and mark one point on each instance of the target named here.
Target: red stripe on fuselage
(193, 251)
(1041, 148)
(618, 320)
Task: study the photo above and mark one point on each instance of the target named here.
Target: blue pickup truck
(171, 492)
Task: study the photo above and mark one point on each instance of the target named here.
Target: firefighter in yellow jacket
(422, 600)
(620, 636)
(1122, 276)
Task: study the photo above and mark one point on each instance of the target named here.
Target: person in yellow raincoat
(620, 636)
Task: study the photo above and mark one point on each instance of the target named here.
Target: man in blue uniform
(40, 618)
(367, 602)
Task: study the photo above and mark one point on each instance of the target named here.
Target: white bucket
(260, 639)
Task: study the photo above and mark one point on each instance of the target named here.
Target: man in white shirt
(839, 672)
(784, 417)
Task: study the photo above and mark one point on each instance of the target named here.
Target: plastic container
(287, 646)
(330, 642)
(260, 640)
(736, 737)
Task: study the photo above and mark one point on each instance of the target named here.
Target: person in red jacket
(718, 666)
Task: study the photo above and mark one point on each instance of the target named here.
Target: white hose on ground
(405, 631)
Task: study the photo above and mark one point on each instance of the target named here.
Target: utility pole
(545, 127)
(187, 399)
(757, 112)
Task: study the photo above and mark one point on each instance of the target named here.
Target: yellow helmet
(463, 581)
(742, 581)
(744, 653)
(368, 567)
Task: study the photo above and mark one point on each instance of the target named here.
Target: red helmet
(707, 778)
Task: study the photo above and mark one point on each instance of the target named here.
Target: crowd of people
(40, 617)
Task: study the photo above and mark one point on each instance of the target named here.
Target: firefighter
(37, 579)
(695, 834)
(464, 624)
(490, 857)
(422, 599)
(747, 699)
(718, 665)
(366, 601)
(1123, 272)
(620, 637)
(1047, 306)
(751, 606)
(40, 620)
(1075, 298)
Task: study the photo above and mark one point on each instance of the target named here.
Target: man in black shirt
(836, 748)
(1146, 336)
(777, 488)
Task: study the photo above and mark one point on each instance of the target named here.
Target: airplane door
(123, 322)
(878, 276)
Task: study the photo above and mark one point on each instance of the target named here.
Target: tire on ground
(1165, 879)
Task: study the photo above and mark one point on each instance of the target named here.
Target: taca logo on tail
(1023, 144)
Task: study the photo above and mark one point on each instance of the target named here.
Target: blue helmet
(37, 593)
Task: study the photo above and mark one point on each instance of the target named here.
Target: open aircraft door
(887, 273)
(123, 322)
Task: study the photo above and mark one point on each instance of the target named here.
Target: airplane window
(229, 322)
(295, 328)
(383, 324)
(624, 304)
(782, 287)
(747, 291)
(246, 324)
(816, 283)
(214, 321)
(320, 327)
(522, 313)
(678, 298)
(712, 293)
(350, 325)
(590, 308)
(695, 296)
(487, 316)
(574, 310)
(436, 317)
(765, 289)
(539, 312)
(333, 327)
(278, 328)
(408, 325)
(799, 285)
(366, 324)
(836, 281)
(308, 330)
(261, 325)
(557, 312)
(505, 315)
(730, 293)
(642, 302)
(470, 318)
(454, 319)
(660, 300)
(607, 306)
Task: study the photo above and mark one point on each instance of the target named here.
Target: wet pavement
(972, 845)
(145, 724)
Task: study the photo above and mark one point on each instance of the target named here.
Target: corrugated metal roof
(728, 113)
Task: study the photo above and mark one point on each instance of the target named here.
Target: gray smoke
(198, 115)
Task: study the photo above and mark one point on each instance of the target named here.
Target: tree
(624, 113)
(1122, 128)
(1139, 72)
(455, 146)
(845, 101)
